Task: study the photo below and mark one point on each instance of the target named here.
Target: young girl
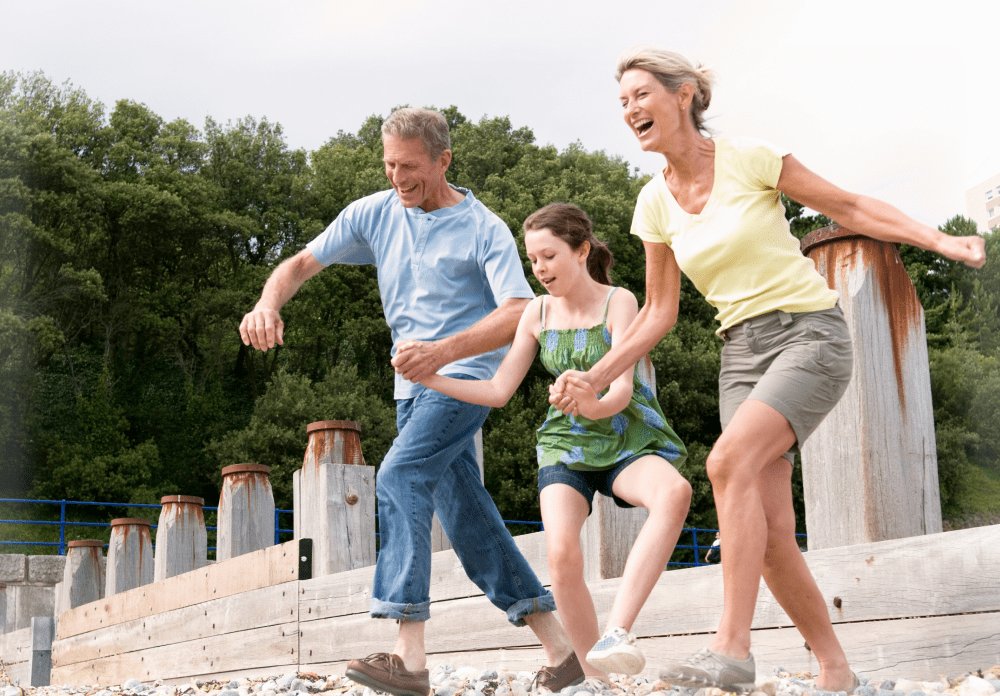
(620, 444)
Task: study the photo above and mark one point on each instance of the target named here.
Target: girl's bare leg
(564, 511)
(653, 483)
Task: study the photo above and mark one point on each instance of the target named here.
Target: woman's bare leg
(752, 493)
(564, 511)
(791, 583)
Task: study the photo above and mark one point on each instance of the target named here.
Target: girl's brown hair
(572, 225)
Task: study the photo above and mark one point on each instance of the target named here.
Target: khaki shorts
(799, 364)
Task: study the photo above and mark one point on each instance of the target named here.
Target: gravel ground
(467, 681)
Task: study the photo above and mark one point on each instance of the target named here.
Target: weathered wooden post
(130, 555)
(181, 539)
(870, 469)
(83, 575)
(246, 511)
(335, 498)
(439, 540)
(608, 534)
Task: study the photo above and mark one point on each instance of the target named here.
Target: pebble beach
(447, 680)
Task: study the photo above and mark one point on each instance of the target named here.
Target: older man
(452, 290)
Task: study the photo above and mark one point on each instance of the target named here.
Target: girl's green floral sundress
(583, 444)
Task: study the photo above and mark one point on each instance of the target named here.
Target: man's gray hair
(426, 124)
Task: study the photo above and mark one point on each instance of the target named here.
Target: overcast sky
(896, 100)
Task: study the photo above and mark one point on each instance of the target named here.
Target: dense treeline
(130, 248)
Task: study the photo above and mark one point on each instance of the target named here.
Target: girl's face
(653, 114)
(556, 265)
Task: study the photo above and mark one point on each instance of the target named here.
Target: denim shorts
(799, 364)
(587, 482)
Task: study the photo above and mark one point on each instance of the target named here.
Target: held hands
(574, 395)
(262, 328)
(416, 360)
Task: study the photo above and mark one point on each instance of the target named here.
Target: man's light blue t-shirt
(438, 272)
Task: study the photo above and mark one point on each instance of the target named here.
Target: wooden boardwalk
(917, 607)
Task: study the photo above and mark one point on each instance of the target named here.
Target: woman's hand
(969, 250)
(560, 397)
(586, 398)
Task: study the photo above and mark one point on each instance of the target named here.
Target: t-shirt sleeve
(760, 161)
(651, 218)
(502, 265)
(344, 240)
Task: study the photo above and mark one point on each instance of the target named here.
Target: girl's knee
(565, 559)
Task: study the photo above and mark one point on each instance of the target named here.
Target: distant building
(982, 202)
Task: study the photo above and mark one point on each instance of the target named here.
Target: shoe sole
(619, 663)
(365, 680)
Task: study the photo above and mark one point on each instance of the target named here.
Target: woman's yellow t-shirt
(738, 251)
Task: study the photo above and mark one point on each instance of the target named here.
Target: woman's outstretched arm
(872, 217)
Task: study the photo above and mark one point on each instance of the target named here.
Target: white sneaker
(616, 652)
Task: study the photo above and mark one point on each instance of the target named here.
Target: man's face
(417, 179)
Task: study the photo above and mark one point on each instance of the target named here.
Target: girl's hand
(561, 400)
(582, 392)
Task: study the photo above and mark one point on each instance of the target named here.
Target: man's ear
(445, 159)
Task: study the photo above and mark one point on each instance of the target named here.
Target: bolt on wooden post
(246, 511)
(83, 575)
(181, 538)
(334, 495)
(130, 555)
(870, 470)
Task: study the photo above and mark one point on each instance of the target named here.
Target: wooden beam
(343, 594)
(268, 606)
(252, 571)
(257, 648)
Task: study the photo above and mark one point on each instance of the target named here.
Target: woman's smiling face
(652, 113)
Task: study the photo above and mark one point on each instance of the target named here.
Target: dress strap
(607, 303)
(542, 312)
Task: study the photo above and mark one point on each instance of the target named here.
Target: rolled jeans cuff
(400, 612)
(533, 605)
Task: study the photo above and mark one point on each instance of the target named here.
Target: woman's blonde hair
(672, 70)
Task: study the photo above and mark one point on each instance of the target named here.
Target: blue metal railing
(697, 548)
(63, 523)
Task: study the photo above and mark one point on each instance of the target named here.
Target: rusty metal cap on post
(825, 235)
(192, 499)
(333, 425)
(130, 520)
(85, 542)
(245, 469)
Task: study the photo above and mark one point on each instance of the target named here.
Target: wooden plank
(913, 648)
(472, 623)
(258, 648)
(937, 574)
(252, 571)
(15, 647)
(268, 606)
(343, 594)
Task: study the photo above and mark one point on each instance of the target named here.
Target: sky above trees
(879, 98)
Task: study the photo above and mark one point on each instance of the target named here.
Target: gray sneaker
(706, 669)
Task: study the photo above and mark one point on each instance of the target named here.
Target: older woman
(715, 213)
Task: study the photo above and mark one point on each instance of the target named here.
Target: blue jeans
(430, 467)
